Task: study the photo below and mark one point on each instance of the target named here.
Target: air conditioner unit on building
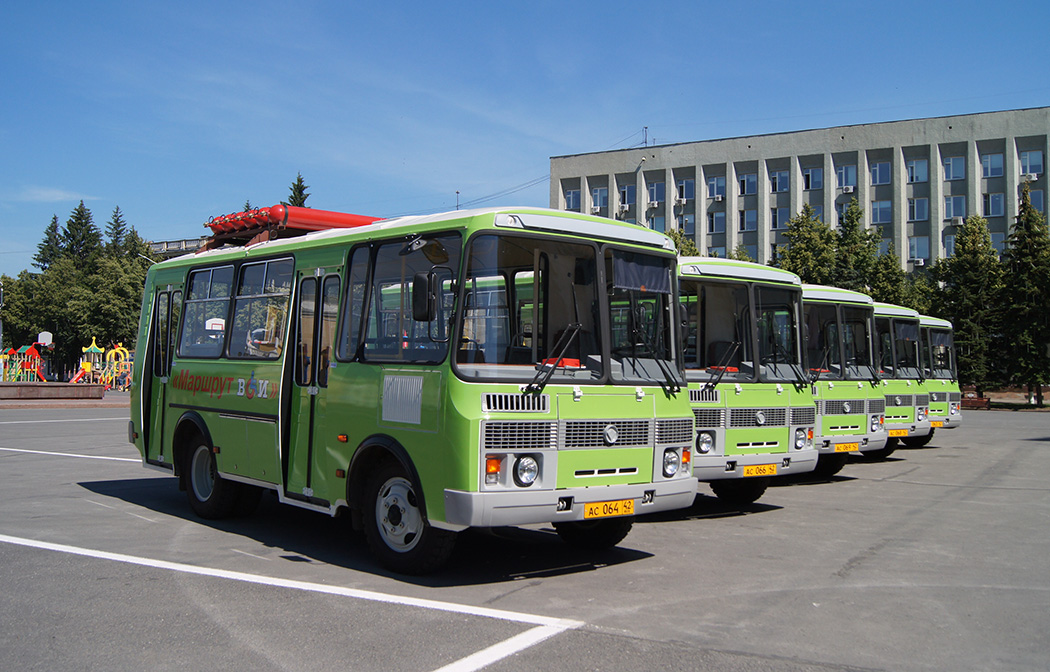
(679, 201)
(654, 204)
(718, 198)
(1029, 177)
(595, 209)
(919, 262)
(624, 207)
(848, 189)
(957, 221)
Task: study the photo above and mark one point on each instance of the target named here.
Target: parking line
(51, 422)
(86, 457)
(546, 626)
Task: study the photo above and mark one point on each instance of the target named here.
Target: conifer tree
(116, 231)
(685, 245)
(50, 248)
(299, 193)
(740, 254)
(810, 252)
(81, 239)
(856, 251)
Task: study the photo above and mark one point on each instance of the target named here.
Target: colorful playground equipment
(112, 368)
(23, 365)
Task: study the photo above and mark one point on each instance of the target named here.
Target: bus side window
(207, 304)
(260, 312)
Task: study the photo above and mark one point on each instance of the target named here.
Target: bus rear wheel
(211, 496)
(918, 441)
(740, 492)
(594, 535)
(881, 453)
(396, 528)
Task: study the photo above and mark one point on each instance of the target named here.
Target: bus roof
(891, 310)
(522, 218)
(734, 269)
(835, 294)
(935, 322)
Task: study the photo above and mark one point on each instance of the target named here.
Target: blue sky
(176, 112)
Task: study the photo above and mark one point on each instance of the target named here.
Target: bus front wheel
(211, 496)
(829, 464)
(881, 453)
(594, 535)
(918, 441)
(396, 528)
(740, 492)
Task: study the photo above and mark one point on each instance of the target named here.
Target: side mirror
(424, 300)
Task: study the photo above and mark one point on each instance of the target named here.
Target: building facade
(915, 181)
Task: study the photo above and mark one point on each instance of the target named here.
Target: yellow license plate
(846, 447)
(898, 432)
(620, 507)
(937, 423)
(760, 470)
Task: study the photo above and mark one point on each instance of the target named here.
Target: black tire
(594, 535)
(248, 499)
(829, 464)
(881, 453)
(918, 441)
(211, 496)
(396, 528)
(740, 491)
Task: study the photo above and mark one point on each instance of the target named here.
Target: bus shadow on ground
(810, 479)
(707, 507)
(481, 556)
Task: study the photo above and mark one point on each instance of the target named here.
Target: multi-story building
(915, 181)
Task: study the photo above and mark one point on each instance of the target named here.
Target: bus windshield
(822, 341)
(906, 349)
(779, 350)
(856, 334)
(939, 355)
(717, 342)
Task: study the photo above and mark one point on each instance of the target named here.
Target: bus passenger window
(260, 310)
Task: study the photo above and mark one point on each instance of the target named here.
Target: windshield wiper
(665, 369)
(814, 375)
(723, 365)
(801, 379)
(547, 368)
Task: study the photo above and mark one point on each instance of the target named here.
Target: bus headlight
(705, 442)
(954, 408)
(526, 470)
(875, 423)
(800, 438)
(920, 414)
(671, 462)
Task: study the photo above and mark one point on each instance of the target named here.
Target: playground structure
(110, 369)
(24, 365)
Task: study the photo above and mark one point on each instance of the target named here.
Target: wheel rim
(398, 518)
(202, 473)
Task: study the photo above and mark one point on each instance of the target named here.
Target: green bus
(423, 374)
(900, 365)
(942, 383)
(840, 349)
(754, 412)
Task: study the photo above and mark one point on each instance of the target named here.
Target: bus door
(167, 308)
(315, 326)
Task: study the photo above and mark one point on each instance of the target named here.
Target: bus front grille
(519, 436)
(757, 417)
(592, 433)
(709, 417)
(679, 430)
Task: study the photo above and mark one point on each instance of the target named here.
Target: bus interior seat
(717, 351)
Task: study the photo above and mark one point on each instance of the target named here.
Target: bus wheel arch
(366, 459)
(188, 430)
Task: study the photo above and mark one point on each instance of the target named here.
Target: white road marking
(546, 626)
(86, 457)
(50, 422)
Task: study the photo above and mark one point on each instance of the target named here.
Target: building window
(840, 212)
(686, 224)
(779, 180)
(716, 186)
(748, 184)
(1036, 196)
(716, 222)
(627, 194)
(655, 222)
(748, 220)
(991, 165)
(600, 197)
(812, 178)
(656, 192)
(955, 168)
(954, 206)
(572, 199)
(884, 245)
(818, 212)
(752, 251)
(687, 189)
(880, 173)
(881, 212)
(778, 218)
(949, 245)
(918, 209)
(918, 247)
(847, 176)
(918, 170)
(1032, 162)
(994, 205)
(999, 242)
(719, 251)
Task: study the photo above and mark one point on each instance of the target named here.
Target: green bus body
(939, 367)
(840, 342)
(907, 401)
(754, 412)
(470, 359)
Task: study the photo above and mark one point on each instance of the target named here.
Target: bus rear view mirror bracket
(424, 297)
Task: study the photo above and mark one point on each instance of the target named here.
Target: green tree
(888, 282)
(684, 244)
(116, 231)
(248, 205)
(810, 252)
(856, 251)
(1026, 298)
(81, 239)
(970, 285)
(299, 193)
(50, 248)
(740, 254)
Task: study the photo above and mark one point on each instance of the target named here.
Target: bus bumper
(495, 509)
(870, 441)
(720, 467)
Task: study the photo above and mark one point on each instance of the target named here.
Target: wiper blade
(672, 382)
(547, 368)
(722, 365)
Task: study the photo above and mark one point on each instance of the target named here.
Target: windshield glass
(857, 343)
(941, 354)
(527, 301)
(905, 349)
(779, 350)
(640, 314)
(822, 341)
(717, 340)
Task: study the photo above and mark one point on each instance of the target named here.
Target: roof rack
(277, 221)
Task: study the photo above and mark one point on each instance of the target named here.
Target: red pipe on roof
(290, 217)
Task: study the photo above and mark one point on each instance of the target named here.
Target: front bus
(743, 356)
(426, 374)
(907, 402)
(840, 342)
